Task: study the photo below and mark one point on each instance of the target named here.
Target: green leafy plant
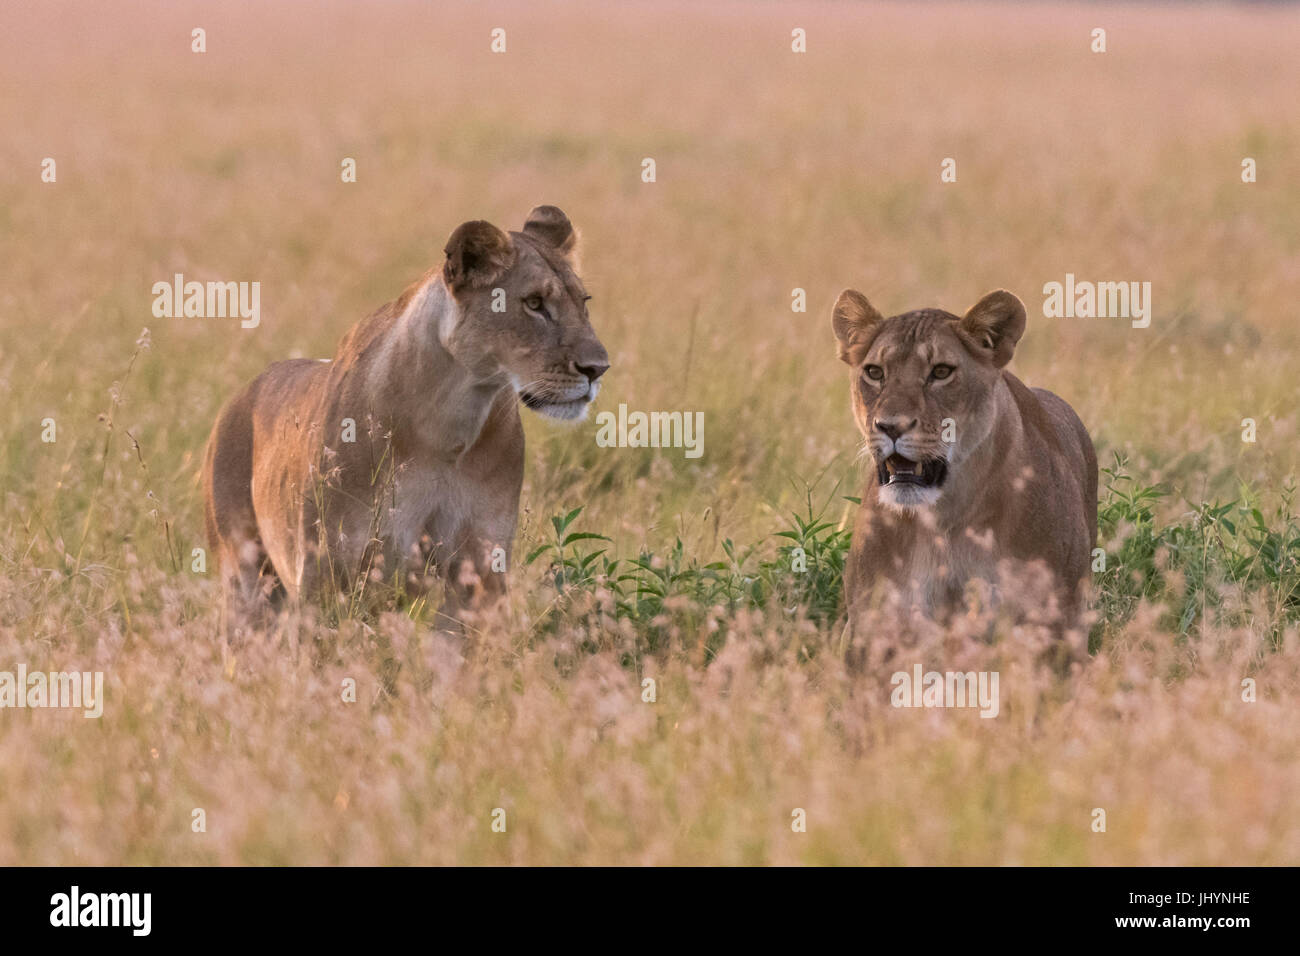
(805, 570)
(1191, 564)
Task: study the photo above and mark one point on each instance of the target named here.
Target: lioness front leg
(251, 590)
(474, 580)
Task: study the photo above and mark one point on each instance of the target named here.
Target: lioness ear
(552, 227)
(853, 319)
(477, 255)
(994, 324)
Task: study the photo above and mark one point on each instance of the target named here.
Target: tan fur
(433, 382)
(1020, 492)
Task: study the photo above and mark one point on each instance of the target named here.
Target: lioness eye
(534, 302)
(875, 372)
(941, 371)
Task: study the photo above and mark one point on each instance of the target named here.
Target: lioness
(405, 452)
(972, 473)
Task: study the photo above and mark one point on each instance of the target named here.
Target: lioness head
(923, 387)
(522, 312)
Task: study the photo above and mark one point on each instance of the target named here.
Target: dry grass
(775, 171)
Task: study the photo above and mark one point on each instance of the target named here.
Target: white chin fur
(564, 411)
(907, 497)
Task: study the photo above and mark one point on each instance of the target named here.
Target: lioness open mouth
(897, 470)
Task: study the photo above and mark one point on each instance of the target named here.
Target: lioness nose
(893, 427)
(593, 369)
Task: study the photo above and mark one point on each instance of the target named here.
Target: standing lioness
(972, 474)
(405, 452)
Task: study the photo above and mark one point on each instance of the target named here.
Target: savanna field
(775, 171)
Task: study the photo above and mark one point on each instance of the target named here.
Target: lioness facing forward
(405, 452)
(971, 471)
